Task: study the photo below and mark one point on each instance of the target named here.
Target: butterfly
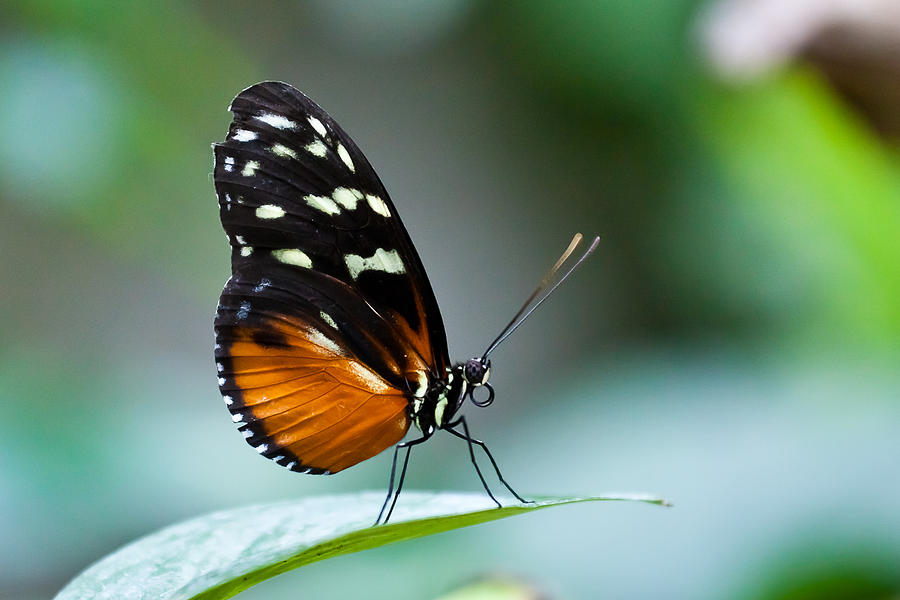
(329, 342)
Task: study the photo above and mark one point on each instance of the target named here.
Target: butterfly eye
(477, 371)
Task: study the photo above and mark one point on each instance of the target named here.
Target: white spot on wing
(244, 135)
(246, 251)
(269, 211)
(229, 164)
(263, 284)
(291, 464)
(323, 203)
(240, 239)
(320, 339)
(346, 197)
(228, 400)
(317, 148)
(345, 156)
(382, 260)
(276, 121)
(318, 126)
(368, 377)
(250, 168)
(292, 256)
(237, 417)
(262, 448)
(283, 151)
(327, 318)
(244, 311)
(221, 381)
(378, 205)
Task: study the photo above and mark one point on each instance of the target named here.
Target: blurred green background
(732, 346)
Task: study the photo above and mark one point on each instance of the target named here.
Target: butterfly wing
(303, 391)
(293, 185)
(328, 324)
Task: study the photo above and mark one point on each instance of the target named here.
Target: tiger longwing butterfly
(329, 341)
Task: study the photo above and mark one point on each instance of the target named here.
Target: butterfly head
(476, 372)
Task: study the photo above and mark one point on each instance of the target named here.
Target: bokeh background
(732, 346)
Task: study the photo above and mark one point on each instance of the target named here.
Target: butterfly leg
(396, 494)
(470, 440)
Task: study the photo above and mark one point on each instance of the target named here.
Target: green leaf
(221, 554)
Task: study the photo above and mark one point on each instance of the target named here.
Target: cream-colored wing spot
(382, 260)
(292, 256)
(276, 121)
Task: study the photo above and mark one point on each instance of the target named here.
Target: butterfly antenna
(527, 307)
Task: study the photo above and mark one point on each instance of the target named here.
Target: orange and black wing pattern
(328, 326)
(304, 394)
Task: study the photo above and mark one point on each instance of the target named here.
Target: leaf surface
(221, 554)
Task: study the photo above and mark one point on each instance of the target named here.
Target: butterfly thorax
(441, 401)
(444, 397)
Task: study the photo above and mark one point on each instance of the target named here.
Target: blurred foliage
(833, 570)
(735, 338)
(123, 79)
(495, 588)
(826, 192)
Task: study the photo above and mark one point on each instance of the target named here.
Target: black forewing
(302, 205)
